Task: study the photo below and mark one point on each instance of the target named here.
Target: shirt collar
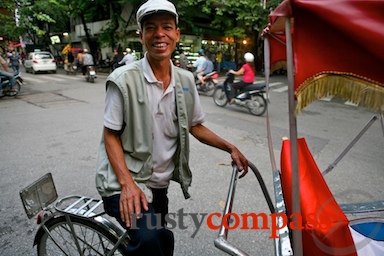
(150, 77)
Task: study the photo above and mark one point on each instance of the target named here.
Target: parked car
(40, 61)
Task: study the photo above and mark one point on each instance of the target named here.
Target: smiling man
(151, 107)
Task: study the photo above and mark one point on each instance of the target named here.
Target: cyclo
(76, 224)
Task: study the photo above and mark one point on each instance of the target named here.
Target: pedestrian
(151, 107)
(99, 57)
(219, 59)
(15, 60)
(117, 57)
(128, 58)
(183, 60)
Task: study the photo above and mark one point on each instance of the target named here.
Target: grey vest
(137, 135)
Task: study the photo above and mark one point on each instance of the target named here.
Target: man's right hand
(131, 197)
(131, 200)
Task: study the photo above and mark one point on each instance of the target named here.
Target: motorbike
(210, 83)
(91, 74)
(251, 97)
(7, 86)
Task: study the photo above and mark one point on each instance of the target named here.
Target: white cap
(128, 50)
(154, 6)
(85, 50)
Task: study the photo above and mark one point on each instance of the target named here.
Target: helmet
(128, 50)
(201, 52)
(249, 57)
(85, 50)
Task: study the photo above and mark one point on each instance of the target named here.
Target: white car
(40, 61)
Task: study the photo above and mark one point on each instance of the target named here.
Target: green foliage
(238, 17)
(39, 18)
(35, 20)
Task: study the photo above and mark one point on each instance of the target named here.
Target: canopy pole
(350, 145)
(267, 71)
(296, 232)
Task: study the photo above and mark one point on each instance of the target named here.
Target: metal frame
(221, 241)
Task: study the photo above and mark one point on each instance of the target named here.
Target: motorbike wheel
(257, 105)
(91, 79)
(219, 97)
(19, 83)
(209, 88)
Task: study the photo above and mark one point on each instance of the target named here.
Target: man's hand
(240, 161)
(131, 200)
(131, 197)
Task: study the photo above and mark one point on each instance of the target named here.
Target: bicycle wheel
(92, 238)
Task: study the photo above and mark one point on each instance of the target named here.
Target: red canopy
(337, 49)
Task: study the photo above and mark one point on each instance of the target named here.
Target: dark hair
(253, 66)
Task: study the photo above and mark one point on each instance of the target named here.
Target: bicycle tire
(93, 238)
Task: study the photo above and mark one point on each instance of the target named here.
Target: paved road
(54, 125)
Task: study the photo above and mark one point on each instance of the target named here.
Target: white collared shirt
(165, 127)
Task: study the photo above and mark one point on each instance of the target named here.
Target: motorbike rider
(87, 61)
(128, 58)
(206, 68)
(117, 57)
(198, 64)
(248, 70)
(9, 76)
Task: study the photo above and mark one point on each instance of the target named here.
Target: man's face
(159, 34)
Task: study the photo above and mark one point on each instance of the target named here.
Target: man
(205, 69)
(117, 57)
(10, 76)
(183, 59)
(198, 64)
(87, 61)
(219, 59)
(151, 106)
(128, 58)
(15, 62)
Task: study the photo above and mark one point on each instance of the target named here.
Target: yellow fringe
(358, 90)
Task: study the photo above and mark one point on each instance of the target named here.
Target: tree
(237, 18)
(33, 20)
(117, 28)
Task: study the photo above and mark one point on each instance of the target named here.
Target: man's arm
(206, 136)
(131, 196)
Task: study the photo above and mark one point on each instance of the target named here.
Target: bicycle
(74, 225)
(78, 225)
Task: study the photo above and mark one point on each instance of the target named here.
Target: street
(55, 124)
